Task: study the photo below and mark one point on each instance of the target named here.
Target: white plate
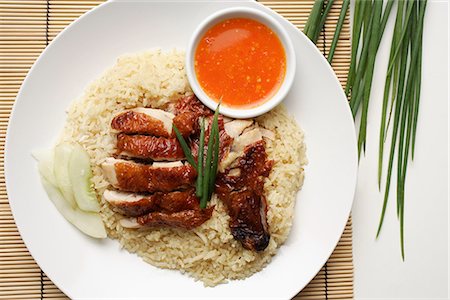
(84, 268)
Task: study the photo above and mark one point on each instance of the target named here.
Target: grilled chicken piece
(193, 105)
(237, 148)
(155, 122)
(186, 123)
(244, 197)
(149, 147)
(247, 138)
(179, 201)
(266, 133)
(247, 210)
(234, 128)
(129, 204)
(225, 140)
(187, 219)
(133, 205)
(158, 177)
(144, 121)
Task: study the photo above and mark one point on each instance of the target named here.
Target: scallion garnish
(210, 161)
(186, 150)
(200, 159)
(215, 162)
(205, 183)
(206, 167)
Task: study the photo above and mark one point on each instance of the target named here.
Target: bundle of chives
(402, 84)
(405, 97)
(369, 16)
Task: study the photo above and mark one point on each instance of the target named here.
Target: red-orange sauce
(240, 62)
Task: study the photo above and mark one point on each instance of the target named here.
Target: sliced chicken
(243, 194)
(133, 205)
(179, 201)
(226, 119)
(247, 210)
(155, 122)
(130, 223)
(186, 123)
(149, 147)
(236, 127)
(129, 204)
(144, 121)
(237, 147)
(266, 133)
(192, 104)
(186, 219)
(225, 141)
(134, 177)
(247, 138)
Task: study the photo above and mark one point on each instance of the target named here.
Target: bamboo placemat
(26, 27)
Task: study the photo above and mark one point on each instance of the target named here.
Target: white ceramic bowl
(250, 13)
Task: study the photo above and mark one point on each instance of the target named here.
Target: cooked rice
(209, 252)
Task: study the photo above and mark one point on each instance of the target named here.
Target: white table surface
(379, 270)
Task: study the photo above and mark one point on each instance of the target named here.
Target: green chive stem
(337, 32)
(199, 184)
(322, 21)
(205, 183)
(215, 160)
(314, 19)
(186, 150)
(356, 35)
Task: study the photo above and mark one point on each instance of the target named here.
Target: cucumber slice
(45, 159)
(80, 175)
(88, 223)
(61, 170)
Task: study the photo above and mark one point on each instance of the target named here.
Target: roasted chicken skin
(247, 210)
(154, 122)
(158, 177)
(186, 123)
(144, 121)
(193, 105)
(225, 141)
(243, 195)
(133, 205)
(149, 147)
(146, 133)
(187, 219)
